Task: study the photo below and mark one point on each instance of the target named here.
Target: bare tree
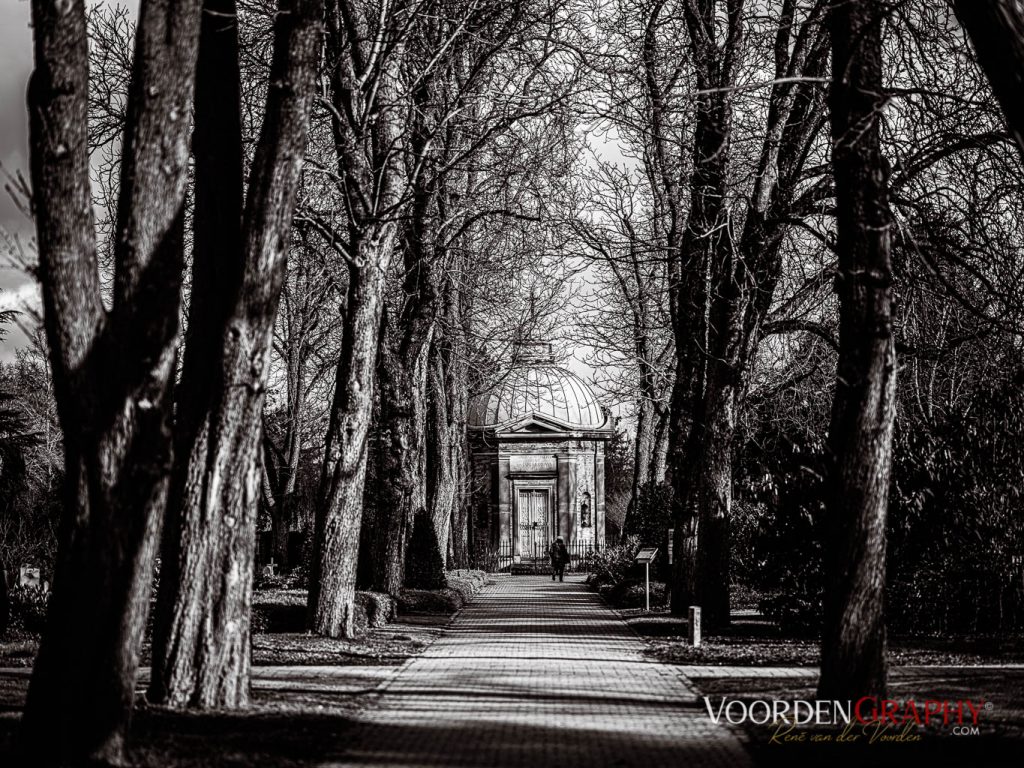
(624, 316)
(392, 163)
(996, 28)
(305, 348)
(113, 370)
(201, 643)
(864, 405)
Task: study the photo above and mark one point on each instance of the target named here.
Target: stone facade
(537, 476)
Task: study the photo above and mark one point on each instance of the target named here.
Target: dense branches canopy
(283, 244)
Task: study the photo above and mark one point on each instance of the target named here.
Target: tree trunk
(339, 508)
(740, 280)
(113, 372)
(996, 28)
(659, 458)
(702, 251)
(860, 434)
(280, 531)
(446, 443)
(643, 454)
(711, 494)
(402, 489)
(201, 652)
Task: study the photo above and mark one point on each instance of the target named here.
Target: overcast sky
(15, 66)
(17, 289)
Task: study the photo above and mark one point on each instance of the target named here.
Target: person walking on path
(559, 559)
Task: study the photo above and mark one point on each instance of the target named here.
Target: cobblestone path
(542, 674)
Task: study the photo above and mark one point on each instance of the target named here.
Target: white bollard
(695, 626)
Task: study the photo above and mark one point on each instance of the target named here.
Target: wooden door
(534, 523)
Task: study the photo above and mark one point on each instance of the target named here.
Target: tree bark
(741, 278)
(113, 372)
(860, 433)
(364, 92)
(403, 488)
(201, 652)
(996, 28)
(659, 458)
(643, 455)
(339, 508)
(448, 393)
(702, 261)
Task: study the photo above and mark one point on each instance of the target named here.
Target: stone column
(598, 459)
(566, 496)
(505, 507)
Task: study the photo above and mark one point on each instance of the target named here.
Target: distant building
(537, 441)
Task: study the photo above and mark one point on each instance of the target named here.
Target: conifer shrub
(424, 566)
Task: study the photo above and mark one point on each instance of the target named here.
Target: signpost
(646, 556)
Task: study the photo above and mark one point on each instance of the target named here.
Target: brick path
(541, 674)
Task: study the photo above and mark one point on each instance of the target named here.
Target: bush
(5, 604)
(612, 564)
(443, 601)
(27, 610)
(652, 514)
(462, 585)
(424, 566)
(378, 608)
(297, 579)
(633, 594)
(793, 613)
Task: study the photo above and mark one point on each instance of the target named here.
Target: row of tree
(355, 206)
(317, 188)
(777, 150)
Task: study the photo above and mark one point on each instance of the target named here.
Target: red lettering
(857, 713)
(932, 707)
(974, 710)
(910, 711)
(889, 709)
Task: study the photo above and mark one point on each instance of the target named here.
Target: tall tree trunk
(441, 451)
(659, 457)
(339, 508)
(703, 251)
(643, 453)
(996, 28)
(860, 433)
(365, 94)
(741, 278)
(710, 488)
(402, 490)
(201, 644)
(446, 443)
(113, 372)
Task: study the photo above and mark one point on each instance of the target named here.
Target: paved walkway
(541, 674)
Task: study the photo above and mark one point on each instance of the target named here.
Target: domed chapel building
(537, 442)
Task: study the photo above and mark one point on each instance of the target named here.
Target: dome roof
(543, 389)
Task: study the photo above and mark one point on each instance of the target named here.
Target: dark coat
(559, 554)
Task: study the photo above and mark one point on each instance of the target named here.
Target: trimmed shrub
(632, 594)
(424, 566)
(378, 607)
(443, 601)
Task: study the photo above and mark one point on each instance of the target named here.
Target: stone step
(525, 569)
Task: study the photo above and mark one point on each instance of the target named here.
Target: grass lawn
(921, 668)
(998, 743)
(754, 641)
(305, 688)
